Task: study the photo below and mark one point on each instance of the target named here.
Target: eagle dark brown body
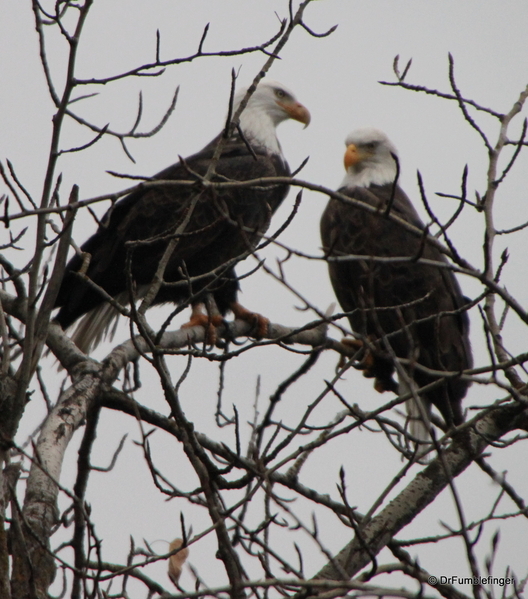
(212, 228)
(413, 307)
(222, 226)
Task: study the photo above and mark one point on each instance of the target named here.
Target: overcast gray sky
(337, 78)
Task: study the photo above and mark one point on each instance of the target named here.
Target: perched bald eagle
(212, 227)
(404, 307)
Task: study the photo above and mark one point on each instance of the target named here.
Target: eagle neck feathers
(373, 173)
(258, 128)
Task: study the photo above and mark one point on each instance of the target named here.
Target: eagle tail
(418, 411)
(96, 325)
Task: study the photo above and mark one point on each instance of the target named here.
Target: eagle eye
(280, 93)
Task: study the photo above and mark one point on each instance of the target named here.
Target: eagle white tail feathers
(98, 324)
(418, 412)
(101, 322)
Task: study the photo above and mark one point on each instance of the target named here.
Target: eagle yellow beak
(297, 112)
(352, 156)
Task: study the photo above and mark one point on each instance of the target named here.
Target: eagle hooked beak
(352, 156)
(297, 112)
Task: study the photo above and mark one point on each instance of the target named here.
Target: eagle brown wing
(417, 308)
(221, 226)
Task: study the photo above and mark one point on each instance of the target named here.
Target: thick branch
(423, 489)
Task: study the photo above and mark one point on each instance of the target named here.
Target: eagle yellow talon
(261, 323)
(206, 321)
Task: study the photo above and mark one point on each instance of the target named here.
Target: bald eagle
(402, 305)
(212, 227)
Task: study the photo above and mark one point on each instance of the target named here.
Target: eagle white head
(270, 104)
(370, 159)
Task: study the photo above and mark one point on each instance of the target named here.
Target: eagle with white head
(384, 277)
(212, 227)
